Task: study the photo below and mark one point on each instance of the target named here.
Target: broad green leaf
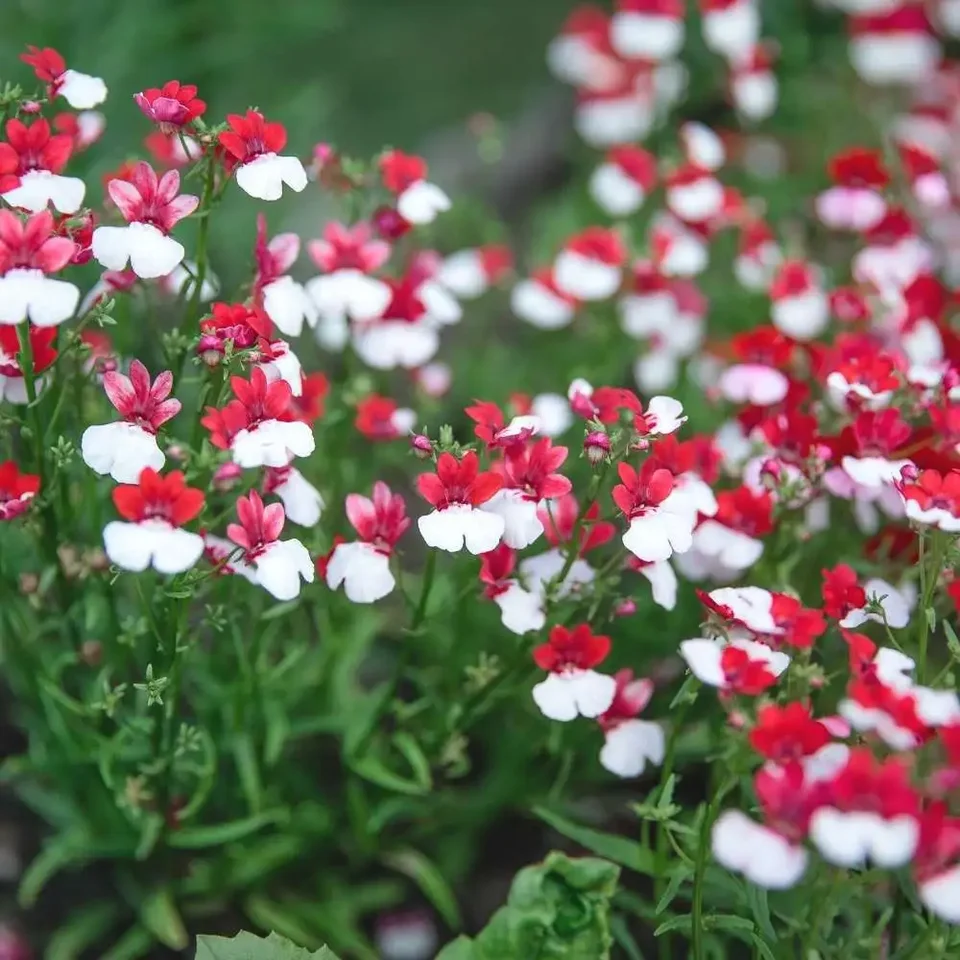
(197, 838)
(430, 880)
(247, 946)
(627, 853)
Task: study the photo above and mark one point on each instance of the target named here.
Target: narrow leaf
(197, 838)
(425, 874)
(627, 853)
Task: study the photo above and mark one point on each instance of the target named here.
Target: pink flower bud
(12, 945)
(909, 473)
(421, 446)
(625, 608)
(226, 476)
(737, 719)
(210, 349)
(596, 445)
(389, 224)
(31, 107)
(177, 452)
(771, 473)
(641, 443)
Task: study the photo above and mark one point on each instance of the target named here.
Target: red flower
(31, 148)
(744, 675)
(381, 521)
(255, 400)
(250, 136)
(638, 492)
(47, 63)
(496, 568)
(858, 167)
(158, 498)
(458, 481)
(32, 243)
(787, 733)
(259, 525)
(377, 418)
(171, 106)
(578, 649)
(745, 511)
(309, 406)
(532, 470)
(138, 400)
(400, 170)
(16, 490)
(841, 591)
(41, 343)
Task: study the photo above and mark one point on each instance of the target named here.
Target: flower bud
(210, 349)
(641, 443)
(31, 107)
(596, 446)
(91, 652)
(389, 224)
(96, 560)
(422, 446)
(909, 473)
(771, 473)
(225, 477)
(625, 608)
(12, 945)
(177, 452)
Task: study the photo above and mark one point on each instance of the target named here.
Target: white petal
(385, 346)
(287, 304)
(585, 278)
(281, 567)
(175, 550)
(894, 842)
(629, 746)
(842, 839)
(760, 854)
(127, 545)
(703, 659)
(363, 570)
(520, 610)
(663, 580)
(941, 895)
(481, 531)
(522, 526)
(462, 273)
(302, 501)
(593, 692)
(441, 306)
(40, 187)
(553, 412)
(658, 534)
(421, 202)
(82, 91)
(555, 698)
(121, 449)
(803, 316)
(271, 444)
(615, 192)
(264, 177)
(640, 36)
(152, 253)
(540, 306)
(29, 293)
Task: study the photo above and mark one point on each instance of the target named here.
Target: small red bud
(389, 224)
(421, 446)
(226, 476)
(596, 446)
(210, 350)
(625, 608)
(909, 473)
(641, 443)
(31, 107)
(176, 452)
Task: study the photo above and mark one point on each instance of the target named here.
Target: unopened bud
(91, 652)
(31, 107)
(225, 477)
(625, 608)
(96, 560)
(29, 584)
(737, 719)
(389, 224)
(12, 945)
(422, 446)
(909, 473)
(770, 474)
(596, 446)
(641, 443)
(177, 452)
(210, 350)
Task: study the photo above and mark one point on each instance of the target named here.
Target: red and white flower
(80, 90)
(348, 256)
(31, 163)
(17, 490)
(458, 491)
(278, 565)
(257, 426)
(468, 274)
(764, 856)
(740, 667)
(590, 266)
(897, 605)
(151, 534)
(282, 299)
(541, 303)
(651, 30)
(252, 145)
(753, 86)
(573, 688)
(29, 252)
(405, 176)
(152, 208)
(800, 307)
(733, 537)
(936, 862)
(856, 202)
(13, 386)
(124, 448)
(731, 28)
(876, 435)
(521, 610)
(381, 418)
(629, 743)
(933, 499)
(302, 501)
(624, 180)
(894, 46)
(694, 194)
(362, 567)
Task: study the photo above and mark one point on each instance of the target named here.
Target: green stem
(700, 868)
(429, 575)
(929, 564)
(573, 549)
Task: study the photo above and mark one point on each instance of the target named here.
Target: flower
(29, 251)
(12, 383)
(933, 499)
(80, 90)
(151, 207)
(171, 107)
(17, 490)
(520, 610)
(764, 856)
(540, 302)
(257, 426)
(277, 565)
(124, 448)
(628, 742)
(380, 418)
(590, 265)
(302, 502)
(457, 491)
(573, 688)
(281, 298)
(650, 30)
(741, 667)
(155, 510)
(468, 274)
(30, 165)
(800, 308)
(363, 567)
(252, 145)
(405, 176)
(624, 180)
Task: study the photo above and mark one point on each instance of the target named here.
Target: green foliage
(246, 946)
(556, 910)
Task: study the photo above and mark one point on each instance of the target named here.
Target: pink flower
(154, 510)
(172, 106)
(31, 162)
(124, 448)
(573, 688)
(29, 252)
(281, 298)
(152, 209)
(277, 565)
(253, 146)
(17, 490)
(629, 743)
(363, 567)
(457, 491)
(405, 176)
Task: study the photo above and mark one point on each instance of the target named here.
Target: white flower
(281, 566)
(149, 250)
(38, 188)
(350, 292)
(572, 693)
(121, 449)
(385, 345)
(151, 543)
(288, 304)
(80, 90)
(271, 443)
(362, 570)
(460, 525)
(850, 839)
(29, 294)
(264, 177)
(521, 610)
(763, 856)
(630, 745)
(421, 202)
(522, 526)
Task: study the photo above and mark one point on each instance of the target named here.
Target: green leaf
(683, 922)
(81, 931)
(623, 936)
(245, 757)
(247, 946)
(953, 643)
(376, 771)
(762, 948)
(627, 853)
(728, 922)
(673, 888)
(280, 610)
(133, 945)
(460, 949)
(414, 755)
(57, 854)
(159, 914)
(760, 908)
(430, 880)
(197, 838)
